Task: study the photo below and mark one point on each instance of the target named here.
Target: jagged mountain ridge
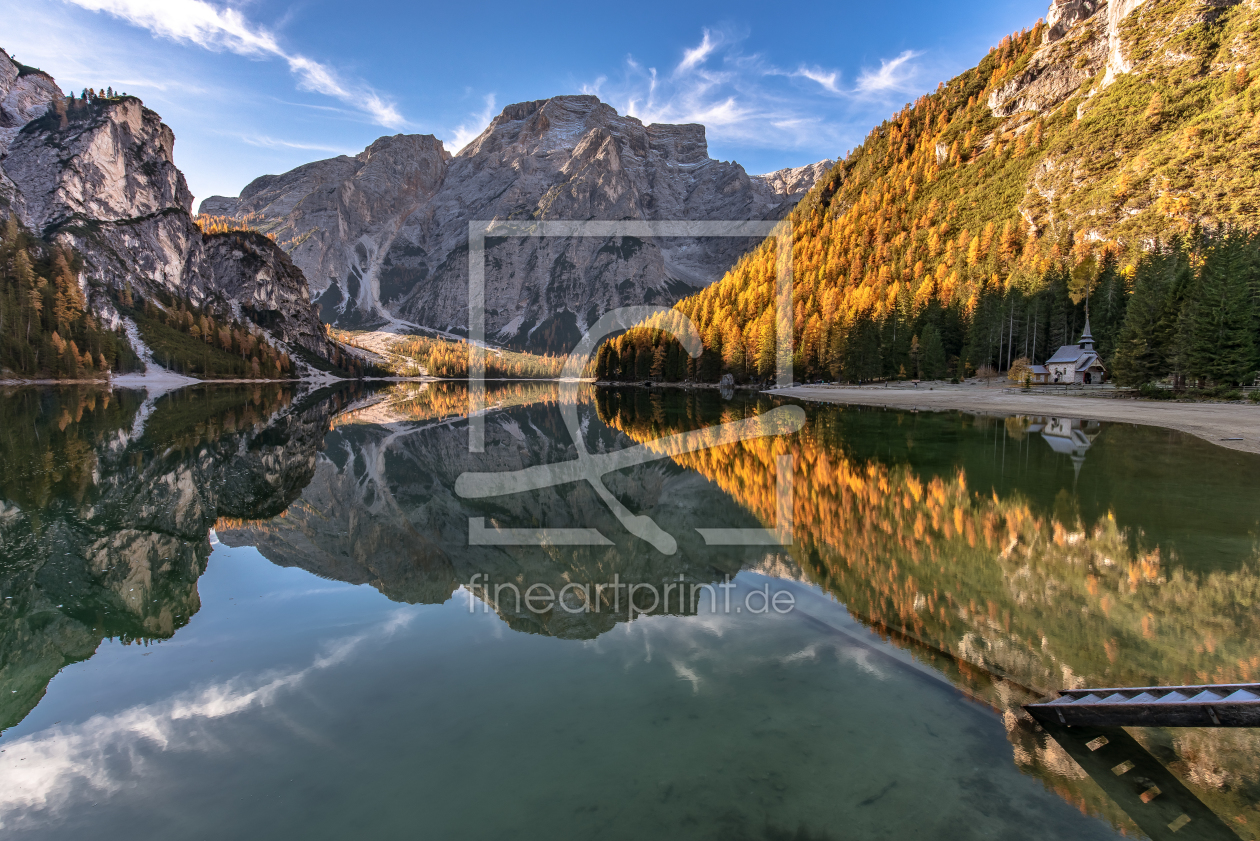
(99, 176)
(383, 236)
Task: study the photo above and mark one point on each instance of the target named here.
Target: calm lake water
(245, 612)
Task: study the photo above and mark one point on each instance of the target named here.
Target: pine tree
(1144, 347)
(767, 348)
(643, 363)
(1220, 343)
(934, 363)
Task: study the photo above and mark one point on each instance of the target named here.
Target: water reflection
(381, 509)
(1155, 799)
(1011, 567)
(108, 499)
(1011, 597)
(1070, 437)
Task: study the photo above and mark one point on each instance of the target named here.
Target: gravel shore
(1232, 425)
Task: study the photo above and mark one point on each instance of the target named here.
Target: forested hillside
(45, 328)
(972, 227)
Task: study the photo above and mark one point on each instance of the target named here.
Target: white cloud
(696, 56)
(829, 80)
(469, 130)
(265, 142)
(592, 88)
(746, 100)
(42, 771)
(892, 75)
(213, 28)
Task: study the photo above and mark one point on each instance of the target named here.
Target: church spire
(1087, 338)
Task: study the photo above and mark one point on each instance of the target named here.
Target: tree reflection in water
(933, 530)
(1010, 598)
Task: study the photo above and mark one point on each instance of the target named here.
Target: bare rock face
(1064, 13)
(1117, 63)
(383, 236)
(792, 182)
(25, 94)
(256, 279)
(1058, 69)
(100, 176)
(1064, 63)
(112, 161)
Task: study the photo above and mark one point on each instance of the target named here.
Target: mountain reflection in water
(1013, 556)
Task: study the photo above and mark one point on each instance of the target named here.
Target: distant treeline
(45, 328)
(250, 222)
(448, 358)
(1188, 312)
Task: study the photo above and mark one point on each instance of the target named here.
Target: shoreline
(170, 381)
(1213, 422)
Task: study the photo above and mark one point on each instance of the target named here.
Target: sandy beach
(1215, 422)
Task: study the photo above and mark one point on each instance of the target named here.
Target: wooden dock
(1217, 705)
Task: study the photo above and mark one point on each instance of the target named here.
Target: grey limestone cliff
(100, 176)
(383, 236)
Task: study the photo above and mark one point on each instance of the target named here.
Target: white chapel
(1077, 364)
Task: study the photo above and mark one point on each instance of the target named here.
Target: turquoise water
(294, 705)
(253, 618)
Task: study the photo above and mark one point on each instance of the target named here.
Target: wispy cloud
(830, 80)
(265, 142)
(894, 75)
(42, 771)
(592, 88)
(696, 56)
(746, 99)
(467, 131)
(213, 28)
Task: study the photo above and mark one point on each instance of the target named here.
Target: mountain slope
(97, 175)
(384, 235)
(971, 227)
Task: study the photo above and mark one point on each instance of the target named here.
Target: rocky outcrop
(1117, 61)
(383, 236)
(1058, 69)
(100, 176)
(256, 279)
(1064, 63)
(790, 183)
(1063, 14)
(25, 95)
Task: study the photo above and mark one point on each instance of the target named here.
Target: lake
(250, 612)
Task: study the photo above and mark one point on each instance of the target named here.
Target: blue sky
(261, 86)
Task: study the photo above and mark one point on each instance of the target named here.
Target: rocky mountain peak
(542, 126)
(104, 160)
(794, 180)
(25, 94)
(99, 175)
(400, 147)
(383, 236)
